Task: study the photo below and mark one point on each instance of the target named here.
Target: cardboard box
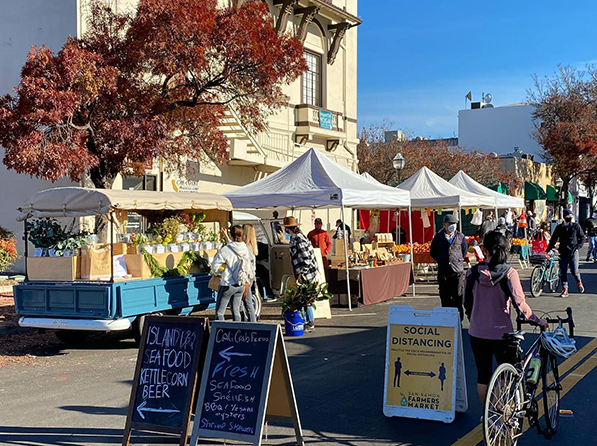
(136, 266)
(60, 269)
(96, 263)
(168, 259)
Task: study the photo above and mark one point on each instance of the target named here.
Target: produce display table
(374, 285)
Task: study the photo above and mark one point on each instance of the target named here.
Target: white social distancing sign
(424, 369)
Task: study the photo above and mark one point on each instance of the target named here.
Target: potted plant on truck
(295, 301)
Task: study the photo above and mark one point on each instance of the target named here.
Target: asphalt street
(80, 396)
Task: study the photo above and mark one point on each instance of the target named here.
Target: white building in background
(498, 129)
(321, 111)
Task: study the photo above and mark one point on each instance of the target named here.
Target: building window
(312, 80)
(135, 222)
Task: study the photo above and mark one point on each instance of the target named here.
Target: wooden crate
(60, 269)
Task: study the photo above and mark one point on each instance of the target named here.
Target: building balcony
(318, 123)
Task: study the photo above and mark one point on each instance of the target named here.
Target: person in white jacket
(228, 264)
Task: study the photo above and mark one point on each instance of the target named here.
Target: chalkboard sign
(244, 361)
(169, 357)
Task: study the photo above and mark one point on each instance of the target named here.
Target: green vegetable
(188, 259)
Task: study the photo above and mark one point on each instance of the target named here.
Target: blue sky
(417, 59)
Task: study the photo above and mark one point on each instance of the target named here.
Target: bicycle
(512, 391)
(546, 271)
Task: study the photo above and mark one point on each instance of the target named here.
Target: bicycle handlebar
(569, 320)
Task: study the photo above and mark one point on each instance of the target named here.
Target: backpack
(468, 291)
(245, 272)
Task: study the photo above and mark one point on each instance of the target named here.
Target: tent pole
(460, 217)
(399, 221)
(345, 236)
(389, 220)
(412, 257)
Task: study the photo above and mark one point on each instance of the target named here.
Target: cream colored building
(321, 108)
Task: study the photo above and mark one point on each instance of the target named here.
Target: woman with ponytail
(492, 287)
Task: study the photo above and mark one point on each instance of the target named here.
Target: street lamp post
(398, 163)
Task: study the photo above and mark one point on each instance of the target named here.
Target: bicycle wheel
(503, 412)
(554, 279)
(257, 303)
(537, 281)
(551, 393)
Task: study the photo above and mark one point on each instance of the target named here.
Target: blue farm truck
(74, 286)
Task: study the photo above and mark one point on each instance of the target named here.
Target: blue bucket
(294, 323)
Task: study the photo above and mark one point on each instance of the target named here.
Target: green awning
(500, 187)
(552, 194)
(532, 191)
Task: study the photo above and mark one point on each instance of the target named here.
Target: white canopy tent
(314, 181)
(463, 181)
(429, 190)
(81, 202)
(370, 177)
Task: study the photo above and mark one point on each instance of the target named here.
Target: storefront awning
(532, 191)
(500, 187)
(552, 194)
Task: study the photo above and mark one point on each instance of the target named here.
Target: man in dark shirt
(571, 238)
(340, 230)
(448, 249)
(591, 232)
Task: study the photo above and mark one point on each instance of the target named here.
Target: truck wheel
(138, 324)
(138, 328)
(72, 337)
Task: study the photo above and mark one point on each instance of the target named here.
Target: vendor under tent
(313, 181)
(463, 181)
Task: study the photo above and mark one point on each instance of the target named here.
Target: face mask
(451, 228)
(568, 219)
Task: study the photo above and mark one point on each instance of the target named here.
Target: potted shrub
(296, 299)
(8, 249)
(45, 234)
(50, 240)
(70, 247)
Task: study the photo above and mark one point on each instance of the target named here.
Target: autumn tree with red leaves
(151, 84)
(566, 124)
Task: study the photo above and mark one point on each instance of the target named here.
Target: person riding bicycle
(490, 287)
(571, 238)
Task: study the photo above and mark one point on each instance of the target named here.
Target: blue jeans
(248, 307)
(229, 294)
(310, 316)
(571, 262)
(592, 247)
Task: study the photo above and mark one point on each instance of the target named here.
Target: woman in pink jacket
(490, 289)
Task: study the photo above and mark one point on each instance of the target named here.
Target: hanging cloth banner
(425, 218)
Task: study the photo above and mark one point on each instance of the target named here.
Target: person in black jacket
(591, 233)
(571, 238)
(448, 249)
